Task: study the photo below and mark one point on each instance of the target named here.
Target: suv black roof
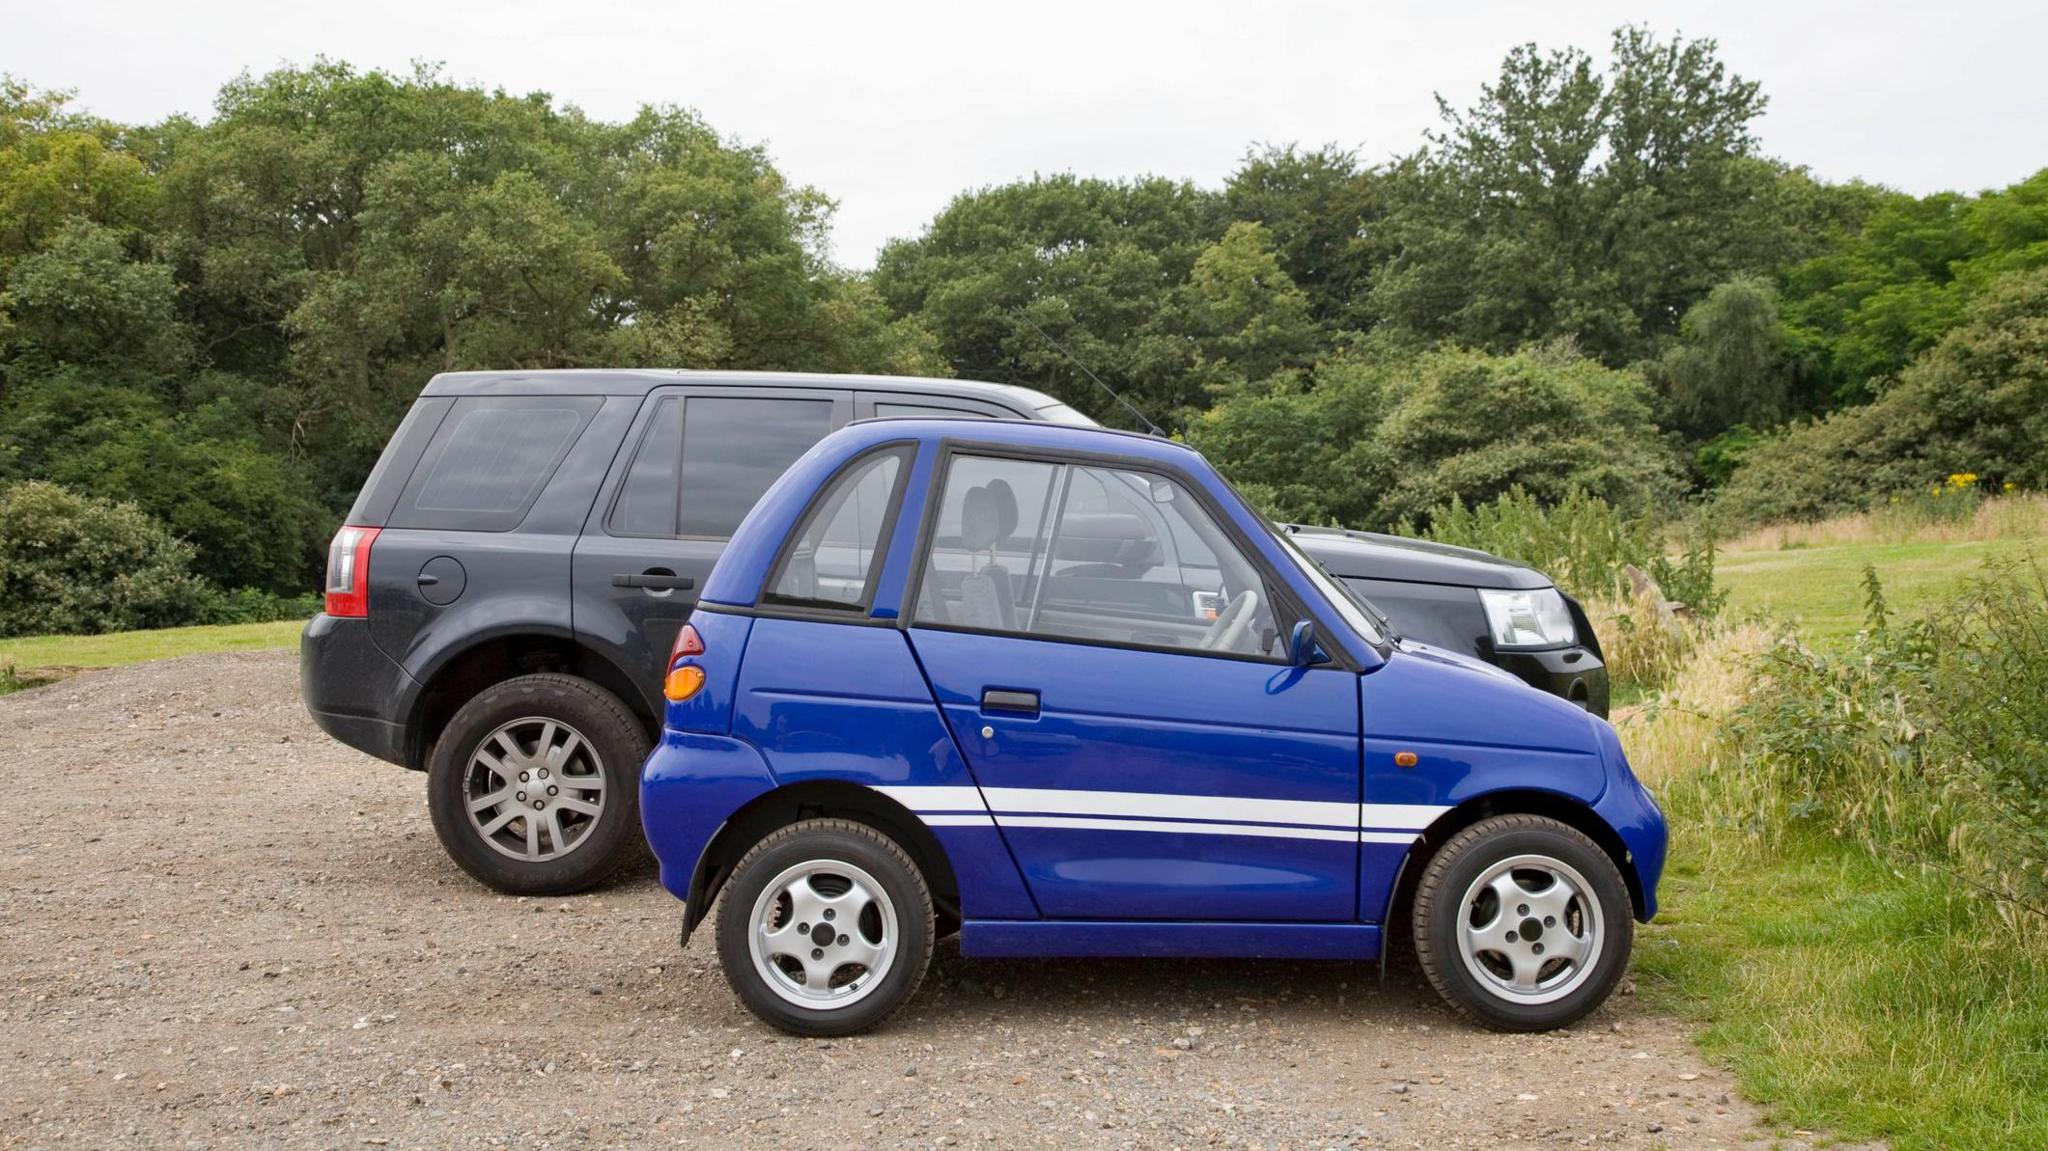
(1371, 553)
(640, 381)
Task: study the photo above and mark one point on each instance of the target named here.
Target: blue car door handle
(1018, 702)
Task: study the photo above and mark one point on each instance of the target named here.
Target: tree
(84, 299)
(56, 167)
(224, 321)
(1094, 264)
(1317, 206)
(1568, 202)
(1247, 315)
(1977, 402)
(1729, 365)
(1892, 289)
(1384, 434)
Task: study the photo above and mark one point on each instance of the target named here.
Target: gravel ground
(222, 928)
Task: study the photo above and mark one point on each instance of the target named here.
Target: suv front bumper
(1572, 673)
(353, 690)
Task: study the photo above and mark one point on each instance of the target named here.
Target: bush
(1384, 434)
(74, 564)
(253, 605)
(1923, 741)
(1584, 543)
(1976, 404)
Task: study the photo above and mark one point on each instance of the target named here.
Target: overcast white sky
(894, 108)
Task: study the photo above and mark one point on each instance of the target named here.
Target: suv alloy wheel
(534, 785)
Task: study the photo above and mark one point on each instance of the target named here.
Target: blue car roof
(744, 567)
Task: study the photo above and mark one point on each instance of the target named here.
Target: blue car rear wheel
(825, 928)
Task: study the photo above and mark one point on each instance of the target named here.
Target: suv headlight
(1536, 618)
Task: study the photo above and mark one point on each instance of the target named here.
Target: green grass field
(1851, 997)
(31, 654)
(1820, 589)
(1866, 999)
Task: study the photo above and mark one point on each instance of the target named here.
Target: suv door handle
(651, 580)
(1020, 702)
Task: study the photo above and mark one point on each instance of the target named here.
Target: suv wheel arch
(458, 678)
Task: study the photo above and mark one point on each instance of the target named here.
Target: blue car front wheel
(1522, 923)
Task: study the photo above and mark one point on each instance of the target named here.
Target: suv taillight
(348, 572)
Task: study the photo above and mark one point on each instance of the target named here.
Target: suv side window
(734, 448)
(646, 504)
(489, 460)
(886, 410)
(1089, 553)
(837, 550)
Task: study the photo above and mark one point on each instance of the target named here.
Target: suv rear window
(733, 449)
(489, 460)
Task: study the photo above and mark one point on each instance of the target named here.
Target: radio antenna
(1144, 420)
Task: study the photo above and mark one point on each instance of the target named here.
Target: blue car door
(1108, 659)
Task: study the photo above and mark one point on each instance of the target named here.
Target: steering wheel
(1231, 623)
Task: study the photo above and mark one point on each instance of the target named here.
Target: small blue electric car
(1061, 690)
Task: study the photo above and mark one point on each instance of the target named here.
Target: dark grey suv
(502, 602)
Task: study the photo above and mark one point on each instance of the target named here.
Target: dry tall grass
(2022, 515)
(1639, 643)
(1679, 731)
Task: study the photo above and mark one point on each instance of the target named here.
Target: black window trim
(840, 611)
(950, 447)
(868, 399)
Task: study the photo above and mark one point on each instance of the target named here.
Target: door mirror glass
(1301, 644)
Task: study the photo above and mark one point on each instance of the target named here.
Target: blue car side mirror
(1301, 644)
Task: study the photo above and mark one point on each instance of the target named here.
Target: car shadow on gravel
(1276, 990)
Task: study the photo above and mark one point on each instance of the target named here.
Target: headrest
(981, 521)
(1006, 507)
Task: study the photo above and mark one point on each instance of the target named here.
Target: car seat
(988, 515)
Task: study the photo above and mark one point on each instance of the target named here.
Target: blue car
(1061, 690)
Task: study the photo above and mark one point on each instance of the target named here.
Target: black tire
(840, 841)
(1440, 916)
(601, 846)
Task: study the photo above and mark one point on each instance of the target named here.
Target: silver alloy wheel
(534, 789)
(823, 934)
(1530, 929)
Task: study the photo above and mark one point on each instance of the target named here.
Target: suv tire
(560, 748)
(1522, 923)
(853, 920)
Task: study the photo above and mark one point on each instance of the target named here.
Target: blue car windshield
(1356, 612)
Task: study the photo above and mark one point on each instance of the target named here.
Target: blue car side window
(833, 559)
(1089, 553)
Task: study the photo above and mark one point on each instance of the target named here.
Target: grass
(1811, 575)
(1820, 589)
(1850, 996)
(30, 660)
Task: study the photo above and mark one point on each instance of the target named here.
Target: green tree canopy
(1381, 435)
(1571, 201)
(1977, 403)
(223, 321)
